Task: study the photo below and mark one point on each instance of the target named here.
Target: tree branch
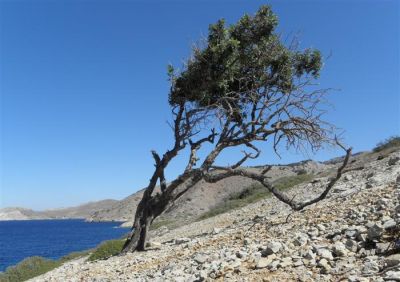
(261, 178)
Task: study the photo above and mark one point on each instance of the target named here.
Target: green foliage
(28, 268)
(107, 249)
(255, 193)
(288, 182)
(391, 142)
(250, 195)
(160, 223)
(35, 266)
(74, 255)
(239, 61)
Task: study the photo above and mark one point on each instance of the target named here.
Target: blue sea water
(51, 238)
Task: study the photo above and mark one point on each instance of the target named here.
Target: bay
(52, 238)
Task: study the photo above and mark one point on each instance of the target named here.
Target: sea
(52, 238)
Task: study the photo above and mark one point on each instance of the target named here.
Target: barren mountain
(81, 211)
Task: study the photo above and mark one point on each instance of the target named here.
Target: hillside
(204, 196)
(349, 236)
(81, 211)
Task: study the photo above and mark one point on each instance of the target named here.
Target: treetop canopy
(240, 61)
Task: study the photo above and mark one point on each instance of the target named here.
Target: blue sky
(84, 87)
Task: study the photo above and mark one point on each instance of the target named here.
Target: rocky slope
(82, 211)
(352, 235)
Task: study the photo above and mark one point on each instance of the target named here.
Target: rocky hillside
(352, 235)
(204, 196)
(18, 214)
(82, 211)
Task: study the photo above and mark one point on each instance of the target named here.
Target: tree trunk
(147, 210)
(136, 240)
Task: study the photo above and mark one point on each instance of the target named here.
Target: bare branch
(229, 171)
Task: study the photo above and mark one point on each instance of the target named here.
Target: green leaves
(239, 60)
(309, 61)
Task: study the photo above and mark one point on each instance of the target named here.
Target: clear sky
(84, 87)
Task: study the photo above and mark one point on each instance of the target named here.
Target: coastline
(54, 243)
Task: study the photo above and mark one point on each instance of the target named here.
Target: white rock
(216, 230)
(339, 249)
(392, 276)
(325, 253)
(200, 258)
(263, 262)
(272, 248)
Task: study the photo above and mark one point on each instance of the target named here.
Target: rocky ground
(352, 235)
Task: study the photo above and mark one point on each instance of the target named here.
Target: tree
(242, 88)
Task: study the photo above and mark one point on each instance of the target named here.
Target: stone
(389, 224)
(370, 267)
(392, 276)
(274, 265)
(234, 264)
(241, 254)
(374, 232)
(362, 237)
(348, 177)
(382, 247)
(351, 245)
(351, 233)
(263, 263)
(339, 249)
(285, 262)
(246, 241)
(298, 263)
(153, 245)
(392, 260)
(216, 230)
(393, 160)
(256, 256)
(325, 253)
(203, 275)
(313, 232)
(321, 227)
(272, 248)
(309, 255)
(300, 239)
(181, 240)
(200, 258)
(325, 267)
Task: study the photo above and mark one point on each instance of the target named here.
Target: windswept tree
(241, 88)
